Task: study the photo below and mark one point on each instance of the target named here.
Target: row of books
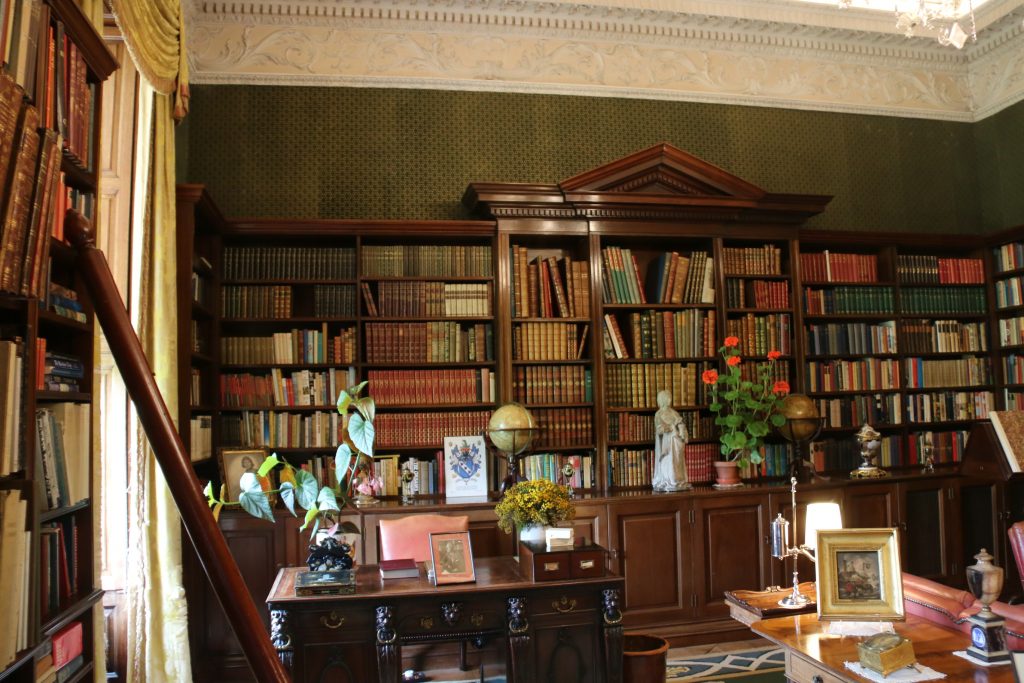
(429, 342)
(426, 260)
(944, 447)
(15, 573)
(197, 338)
(427, 429)
(921, 268)
(552, 384)
(59, 571)
(848, 300)
(272, 429)
(672, 334)
(549, 341)
(563, 427)
(691, 283)
(765, 259)
(195, 387)
(449, 386)
(832, 455)
(334, 301)
(1009, 292)
(256, 301)
(959, 372)
(1011, 331)
(838, 339)
(12, 456)
(1008, 257)
(759, 333)
(62, 442)
(30, 160)
(200, 437)
(762, 294)
(1014, 400)
(57, 371)
(852, 375)
(943, 336)
(294, 346)
(853, 411)
(549, 286)
(777, 371)
(959, 300)
(774, 462)
(279, 388)
(640, 426)
(418, 299)
(950, 405)
(1013, 368)
(289, 263)
(637, 385)
(549, 466)
(65, 656)
(673, 277)
(64, 302)
(831, 267)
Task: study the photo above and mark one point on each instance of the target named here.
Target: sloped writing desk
(554, 630)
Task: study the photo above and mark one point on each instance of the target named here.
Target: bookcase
(50, 96)
(1006, 260)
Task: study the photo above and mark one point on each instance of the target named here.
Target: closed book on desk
(398, 569)
(336, 582)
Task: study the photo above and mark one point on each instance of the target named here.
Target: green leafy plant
(300, 489)
(745, 410)
(529, 503)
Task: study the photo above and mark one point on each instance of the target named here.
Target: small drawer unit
(537, 563)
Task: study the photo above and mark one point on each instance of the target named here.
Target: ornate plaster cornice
(635, 48)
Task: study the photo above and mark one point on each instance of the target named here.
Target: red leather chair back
(1016, 533)
(409, 537)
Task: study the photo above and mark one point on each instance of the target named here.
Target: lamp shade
(821, 516)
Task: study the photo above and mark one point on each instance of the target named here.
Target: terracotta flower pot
(727, 474)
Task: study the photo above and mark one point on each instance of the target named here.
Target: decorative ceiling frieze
(759, 54)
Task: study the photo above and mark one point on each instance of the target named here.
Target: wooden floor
(674, 653)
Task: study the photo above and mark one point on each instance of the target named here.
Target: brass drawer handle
(332, 621)
(427, 623)
(551, 566)
(563, 605)
(586, 564)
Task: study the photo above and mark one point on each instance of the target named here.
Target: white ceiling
(805, 54)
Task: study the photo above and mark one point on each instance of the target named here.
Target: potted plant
(745, 410)
(320, 501)
(532, 505)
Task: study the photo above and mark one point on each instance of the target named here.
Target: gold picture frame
(451, 554)
(232, 462)
(858, 574)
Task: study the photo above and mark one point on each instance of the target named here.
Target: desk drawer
(564, 602)
(333, 622)
(805, 671)
(586, 564)
(434, 621)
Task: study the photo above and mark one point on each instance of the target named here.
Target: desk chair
(409, 537)
(1016, 534)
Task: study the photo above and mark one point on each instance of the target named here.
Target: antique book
(1009, 427)
(405, 568)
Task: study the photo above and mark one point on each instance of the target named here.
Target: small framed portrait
(465, 467)
(858, 575)
(452, 557)
(234, 462)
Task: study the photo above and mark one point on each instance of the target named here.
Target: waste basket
(643, 658)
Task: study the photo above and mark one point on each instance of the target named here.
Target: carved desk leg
(281, 636)
(612, 618)
(519, 649)
(389, 655)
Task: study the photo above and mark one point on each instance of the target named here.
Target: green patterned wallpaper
(274, 151)
(999, 141)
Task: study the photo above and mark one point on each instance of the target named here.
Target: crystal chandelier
(952, 21)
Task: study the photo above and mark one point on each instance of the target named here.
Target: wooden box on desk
(581, 561)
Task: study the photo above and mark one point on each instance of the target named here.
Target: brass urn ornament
(985, 581)
(869, 443)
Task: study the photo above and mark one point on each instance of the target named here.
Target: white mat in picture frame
(465, 467)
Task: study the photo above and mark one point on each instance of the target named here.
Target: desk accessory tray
(581, 561)
(333, 582)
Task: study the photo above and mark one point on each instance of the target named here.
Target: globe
(802, 420)
(511, 428)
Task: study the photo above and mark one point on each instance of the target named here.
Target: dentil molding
(753, 52)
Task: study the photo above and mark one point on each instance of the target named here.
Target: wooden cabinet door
(730, 548)
(870, 506)
(930, 529)
(781, 504)
(649, 540)
(591, 523)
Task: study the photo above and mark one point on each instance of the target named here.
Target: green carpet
(765, 665)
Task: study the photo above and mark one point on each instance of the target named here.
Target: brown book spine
(19, 199)
(46, 171)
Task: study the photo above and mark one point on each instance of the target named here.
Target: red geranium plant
(745, 410)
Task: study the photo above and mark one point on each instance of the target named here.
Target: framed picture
(452, 557)
(234, 462)
(465, 467)
(858, 574)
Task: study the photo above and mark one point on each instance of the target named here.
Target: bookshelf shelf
(755, 276)
(847, 356)
(533, 404)
(611, 307)
(63, 396)
(50, 515)
(947, 387)
(743, 311)
(425, 278)
(432, 318)
(55, 320)
(385, 407)
(434, 364)
(841, 317)
(82, 674)
(202, 358)
(291, 321)
(82, 605)
(857, 392)
(847, 283)
(290, 282)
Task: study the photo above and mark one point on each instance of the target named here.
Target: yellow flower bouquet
(531, 503)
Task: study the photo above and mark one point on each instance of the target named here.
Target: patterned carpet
(761, 665)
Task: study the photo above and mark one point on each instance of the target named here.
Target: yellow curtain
(154, 31)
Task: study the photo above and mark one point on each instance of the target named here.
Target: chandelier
(952, 21)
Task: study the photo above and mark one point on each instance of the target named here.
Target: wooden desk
(814, 657)
(555, 630)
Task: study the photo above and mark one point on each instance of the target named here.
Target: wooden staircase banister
(212, 549)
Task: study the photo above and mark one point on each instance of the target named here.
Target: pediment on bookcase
(659, 182)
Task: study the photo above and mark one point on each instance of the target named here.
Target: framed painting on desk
(452, 557)
(858, 575)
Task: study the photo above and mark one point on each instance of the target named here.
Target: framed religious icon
(858, 575)
(465, 467)
(234, 462)
(452, 557)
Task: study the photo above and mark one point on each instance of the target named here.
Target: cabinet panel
(591, 523)
(567, 652)
(730, 549)
(870, 506)
(929, 529)
(649, 539)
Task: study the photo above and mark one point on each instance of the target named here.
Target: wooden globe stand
(520, 435)
(801, 432)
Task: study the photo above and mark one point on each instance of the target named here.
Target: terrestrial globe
(511, 428)
(802, 420)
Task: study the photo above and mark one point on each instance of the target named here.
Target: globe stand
(519, 438)
(801, 431)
